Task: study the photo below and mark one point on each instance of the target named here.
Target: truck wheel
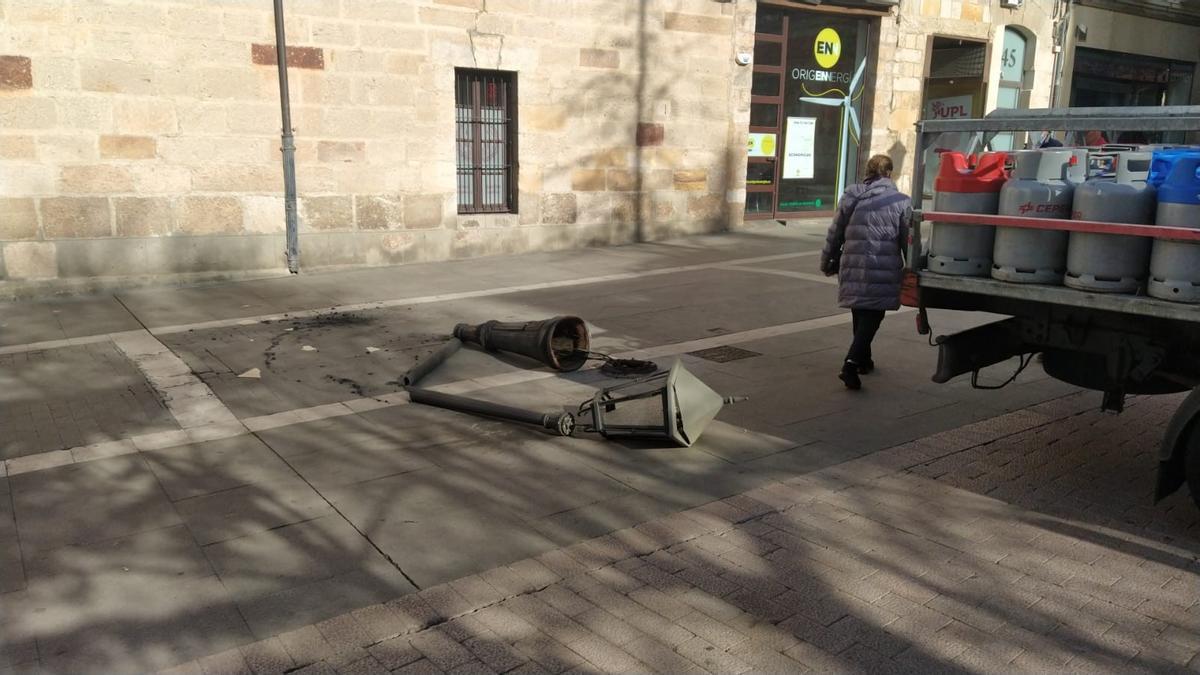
(1193, 464)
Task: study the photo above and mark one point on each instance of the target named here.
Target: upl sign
(950, 108)
(943, 111)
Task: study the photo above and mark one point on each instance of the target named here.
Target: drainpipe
(289, 146)
(1061, 32)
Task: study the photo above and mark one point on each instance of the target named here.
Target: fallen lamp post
(560, 343)
(562, 423)
(419, 371)
(672, 405)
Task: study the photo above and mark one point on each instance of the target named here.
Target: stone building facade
(140, 138)
(907, 53)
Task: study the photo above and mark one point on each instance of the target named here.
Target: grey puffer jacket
(871, 230)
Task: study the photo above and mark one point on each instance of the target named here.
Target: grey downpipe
(288, 148)
(1061, 33)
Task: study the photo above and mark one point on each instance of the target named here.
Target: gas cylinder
(958, 248)
(1112, 263)
(1164, 160)
(1175, 265)
(1042, 186)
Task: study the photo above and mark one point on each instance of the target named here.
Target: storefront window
(806, 110)
(768, 54)
(823, 108)
(1104, 78)
(764, 115)
(760, 173)
(758, 203)
(770, 21)
(765, 84)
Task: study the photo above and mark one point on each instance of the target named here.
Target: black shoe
(866, 368)
(849, 376)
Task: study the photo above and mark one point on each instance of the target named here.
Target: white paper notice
(798, 147)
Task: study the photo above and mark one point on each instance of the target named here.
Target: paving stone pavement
(287, 521)
(1018, 544)
(74, 396)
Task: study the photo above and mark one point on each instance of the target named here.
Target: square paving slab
(89, 502)
(215, 466)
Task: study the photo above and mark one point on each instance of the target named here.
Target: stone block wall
(903, 43)
(141, 137)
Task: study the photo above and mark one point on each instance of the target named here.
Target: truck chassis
(1115, 344)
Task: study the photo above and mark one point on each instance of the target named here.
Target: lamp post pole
(562, 423)
(288, 147)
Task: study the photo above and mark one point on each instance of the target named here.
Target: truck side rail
(915, 251)
(1063, 225)
(1161, 118)
(1131, 305)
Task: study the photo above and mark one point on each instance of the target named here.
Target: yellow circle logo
(828, 48)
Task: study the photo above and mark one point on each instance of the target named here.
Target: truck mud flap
(978, 348)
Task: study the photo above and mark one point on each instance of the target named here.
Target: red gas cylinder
(961, 249)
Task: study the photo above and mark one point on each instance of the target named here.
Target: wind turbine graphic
(849, 121)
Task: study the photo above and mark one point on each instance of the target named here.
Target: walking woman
(864, 248)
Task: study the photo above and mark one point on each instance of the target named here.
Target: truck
(1116, 344)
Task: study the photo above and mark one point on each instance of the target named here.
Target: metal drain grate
(724, 354)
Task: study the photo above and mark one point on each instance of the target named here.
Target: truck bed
(1138, 305)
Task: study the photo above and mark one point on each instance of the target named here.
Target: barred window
(485, 107)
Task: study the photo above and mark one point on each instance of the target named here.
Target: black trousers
(866, 324)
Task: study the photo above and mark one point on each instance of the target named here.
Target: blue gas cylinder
(1175, 265)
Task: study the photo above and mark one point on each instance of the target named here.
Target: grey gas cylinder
(1112, 263)
(1175, 265)
(1042, 186)
(962, 249)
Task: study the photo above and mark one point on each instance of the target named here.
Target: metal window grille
(485, 104)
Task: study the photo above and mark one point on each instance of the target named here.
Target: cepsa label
(1030, 207)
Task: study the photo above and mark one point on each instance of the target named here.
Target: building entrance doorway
(955, 87)
(812, 84)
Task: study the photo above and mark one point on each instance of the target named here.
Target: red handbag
(910, 292)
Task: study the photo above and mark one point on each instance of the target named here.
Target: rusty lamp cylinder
(561, 343)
